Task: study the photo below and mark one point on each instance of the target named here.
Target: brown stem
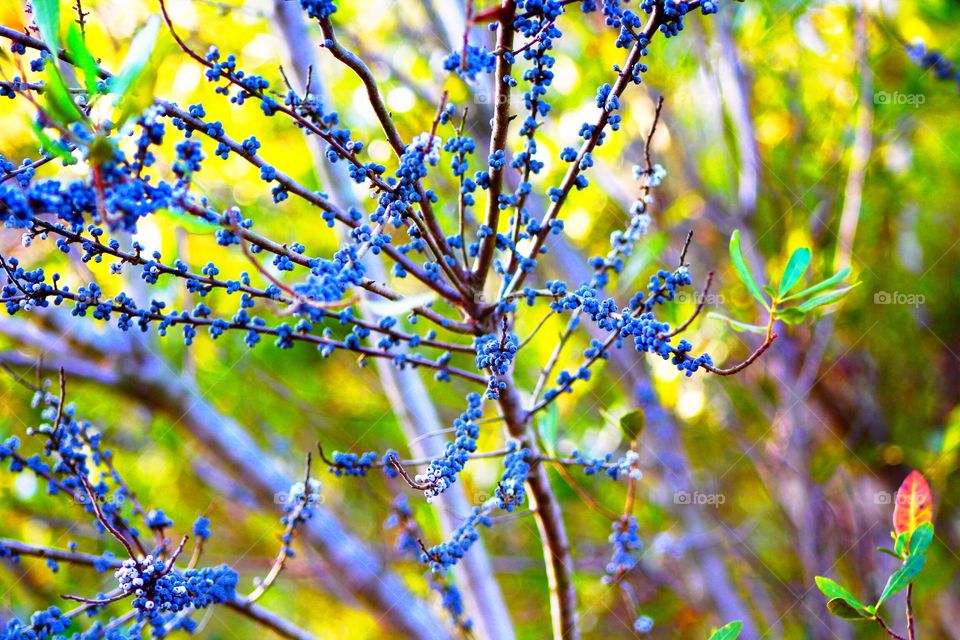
(293, 520)
(549, 517)
(696, 312)
(746, 363)
(911, 630)
(498, 142)
(890, 632)
(395, 462)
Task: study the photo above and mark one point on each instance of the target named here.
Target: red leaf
(914, 504)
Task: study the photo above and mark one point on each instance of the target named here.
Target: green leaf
(826, 298)
(191, 223)
(900, 545)
(921, 538)
(736, 256)
(842, 609)
(889, 552)
(51, 146)
(736, 325)
(399, 307)
(632, 424)
(903, 576)
(46, 13)
(58, 101)
(792, 315)
(796, 267)
(820, 286)
(135, 82)
(549, 423)
(729, 631)
(81, 55)
(834, 591)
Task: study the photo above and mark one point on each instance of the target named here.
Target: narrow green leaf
(46, 13)
(834, 591)
(58, 101)
(81, 55)
(549, 424)
(820, 286)
(825, 299)
(137, 58)
(791, 315)
(921, 538)
(902, 576)
(192, 224)
(736, 256)
(796, 267)
(632, 424)
(736, 325)
(842, 609)
(399, 307)
(729, 631)
(51, 146)
(889, 552)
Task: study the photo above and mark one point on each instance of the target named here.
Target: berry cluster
(158, 590)
(408, 543)
(510, 492)
(351, 464)
(446, 554)
(48, 623)
(626, 541)
(943, 68)
(625, 466)
(442, 471)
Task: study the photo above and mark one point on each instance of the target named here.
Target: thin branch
(911, 623)
(696, 312)
(889, 631)
(410, 359)
(293, 519)
(498, 142)
(767, 343)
